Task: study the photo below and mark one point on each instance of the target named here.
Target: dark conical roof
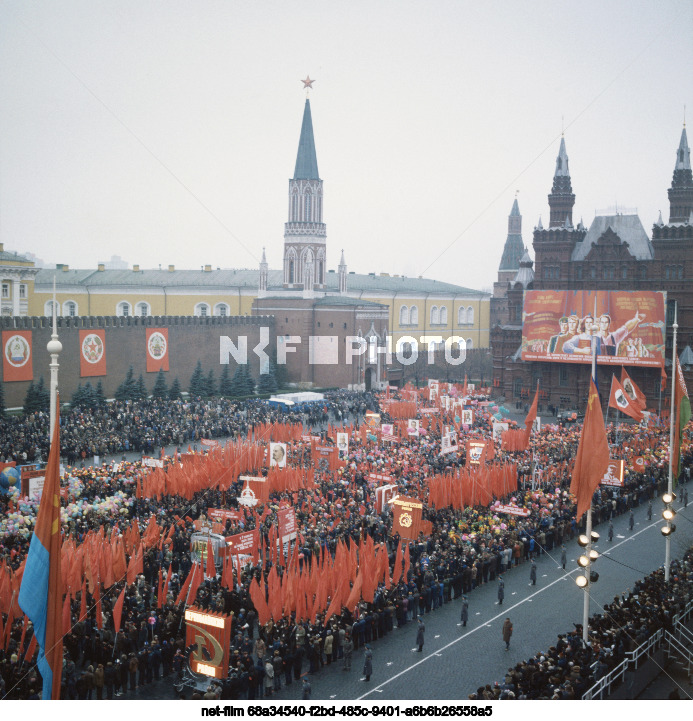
(306, 160)
(514, 247)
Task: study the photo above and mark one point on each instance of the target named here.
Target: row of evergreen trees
(240, 385)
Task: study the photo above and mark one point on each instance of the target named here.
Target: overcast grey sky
(166, 132)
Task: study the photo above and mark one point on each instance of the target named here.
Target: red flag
(592, 457)
(531, 416)
(67, 616)
(118, 610)
(663, 383)
(40, 596)
(157, 349)
(99, 616)
(397, 570)
(636, 396)
(210, 571)
(407, 563)
(83, 601)
(619, 399)
(682, 414)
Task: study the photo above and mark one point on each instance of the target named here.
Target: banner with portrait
(17, 362)
(614, 474)
(624, 327)
(278, 454)
(342, 446)
(92, 353)
(413, 427)
(157, 349)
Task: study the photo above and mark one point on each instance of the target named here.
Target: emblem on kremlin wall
(156, 346)
(92, 348)
(17, 351)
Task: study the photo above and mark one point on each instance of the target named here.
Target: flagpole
(672, 409)
(588, 520)
(54, 348)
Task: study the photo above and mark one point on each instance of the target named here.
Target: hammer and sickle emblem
(203, 641)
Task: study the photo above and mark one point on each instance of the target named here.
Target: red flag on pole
(619, 399)
(592, 457)
(118, 610)
(531, 416)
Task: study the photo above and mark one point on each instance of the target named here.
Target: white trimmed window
(222, 309)
(470, 343)
(23, 290)
(123, 309)
(142, 309)
(435, 319)
(202, 310)
(414, 315)
(48, 309)
(404, 315)
(5, 290)
(443, 315)
(69, 309)
(470, 315)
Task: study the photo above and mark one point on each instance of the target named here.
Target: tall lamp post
(668, 514)
(54, 348)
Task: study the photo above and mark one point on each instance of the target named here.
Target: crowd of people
(570, 667)
(467, 547)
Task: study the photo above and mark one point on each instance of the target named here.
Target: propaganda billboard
(624, 327)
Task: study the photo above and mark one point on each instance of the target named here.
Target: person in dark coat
(507, 632)
(533, 574)
(367, 664)
(501, 590)
(306, 691)
(464, 616)
(348, 650)
(564, 556)
(631, 521)
(420, 635)
(611, 531)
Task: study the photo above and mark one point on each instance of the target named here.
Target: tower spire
(514, 247)
(681, 191)
(305, 234)
(561, 198)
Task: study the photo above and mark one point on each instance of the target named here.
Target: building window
(434, 315)
(624, 272)
(671, 311)
(517, 387)
(70, 309)
(221, 309)
(578, 272)
(142, 309)
(202, 310)
(593, 273)
(443, 315)
(562, 376)
(5, 290)
(643, 272)
(48, 309)
(291, 272)
(414, 315)
(404, 315)
(680, 272)
(469, 343)
(470, 315)
(22, 290)
(123, 309)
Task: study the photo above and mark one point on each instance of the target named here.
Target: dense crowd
(467, 548)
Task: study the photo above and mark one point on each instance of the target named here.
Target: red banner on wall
(17, 363)
(92, 353)
(624, 327)
(157, 349)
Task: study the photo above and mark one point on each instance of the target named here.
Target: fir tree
(174, 393)
(127, 389)
(2, 402)
(100, 395)
(280, 373)
(248, 382)
(210, 384)
(238, 384)
(225, 382)
(140, 390)
(37, 398)
(160, 390)
(197, 381)
(267, 383)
